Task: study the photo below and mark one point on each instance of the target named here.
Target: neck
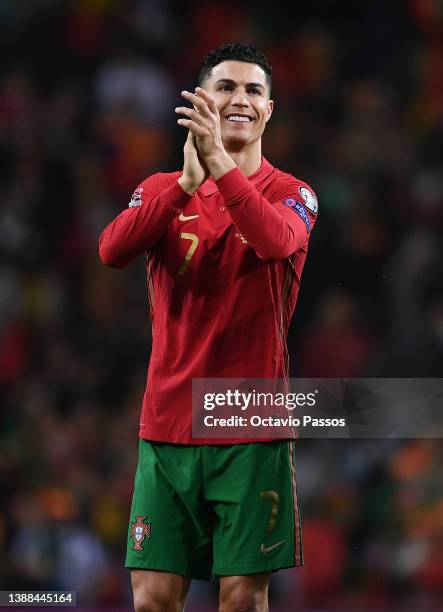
(248, 159)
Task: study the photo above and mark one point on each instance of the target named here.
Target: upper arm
(151, 187)
(297, 203)
(137, 227)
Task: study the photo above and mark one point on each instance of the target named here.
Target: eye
(254, 91)
(224, 87)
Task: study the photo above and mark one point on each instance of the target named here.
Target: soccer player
(225, 241)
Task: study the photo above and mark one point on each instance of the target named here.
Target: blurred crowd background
(87, 92)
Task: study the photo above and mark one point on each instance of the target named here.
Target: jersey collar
(209, 186)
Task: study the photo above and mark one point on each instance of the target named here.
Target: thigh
(158, 590)
(169, 530)
(253, 492)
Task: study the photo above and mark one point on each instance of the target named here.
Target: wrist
(188, 186)
(219, 164)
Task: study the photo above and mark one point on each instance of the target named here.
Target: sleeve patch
(136, 199)
(300, 210)
(309, 198)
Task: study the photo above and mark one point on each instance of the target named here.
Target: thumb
(190, 140)
(190, 144)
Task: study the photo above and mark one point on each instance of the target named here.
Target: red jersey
(223, 274)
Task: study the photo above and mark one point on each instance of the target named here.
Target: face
(241, 93)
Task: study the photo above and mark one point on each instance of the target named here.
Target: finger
(198, 102)
(202, 93)
(189, 112)
(197, 130)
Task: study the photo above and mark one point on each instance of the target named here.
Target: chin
(235, 140)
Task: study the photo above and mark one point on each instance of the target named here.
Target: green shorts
(200, 511)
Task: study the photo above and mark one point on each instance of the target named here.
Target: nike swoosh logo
(267, 549)
(183, 218)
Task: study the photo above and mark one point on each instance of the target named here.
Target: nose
(239, 98)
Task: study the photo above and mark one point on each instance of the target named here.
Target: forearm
(266, 230)
(137, 229)
(187, 185)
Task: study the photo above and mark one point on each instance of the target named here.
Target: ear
(269, 109)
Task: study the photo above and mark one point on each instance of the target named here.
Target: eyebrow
(231, 82)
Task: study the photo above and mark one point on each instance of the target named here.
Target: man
(226, 240)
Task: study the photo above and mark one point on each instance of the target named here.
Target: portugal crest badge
(139, 531)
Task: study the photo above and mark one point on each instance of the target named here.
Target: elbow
(109, 261)
(108, 255)
(276, 252)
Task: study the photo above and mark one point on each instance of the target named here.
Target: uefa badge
(136, 199)
(310, 199)
(139, 531)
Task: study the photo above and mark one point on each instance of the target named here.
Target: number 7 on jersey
(194, 243)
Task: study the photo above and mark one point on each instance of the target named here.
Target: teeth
(238, 118)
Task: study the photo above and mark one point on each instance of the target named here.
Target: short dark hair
(239, 52)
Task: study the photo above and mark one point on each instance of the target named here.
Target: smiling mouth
(239, 119)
